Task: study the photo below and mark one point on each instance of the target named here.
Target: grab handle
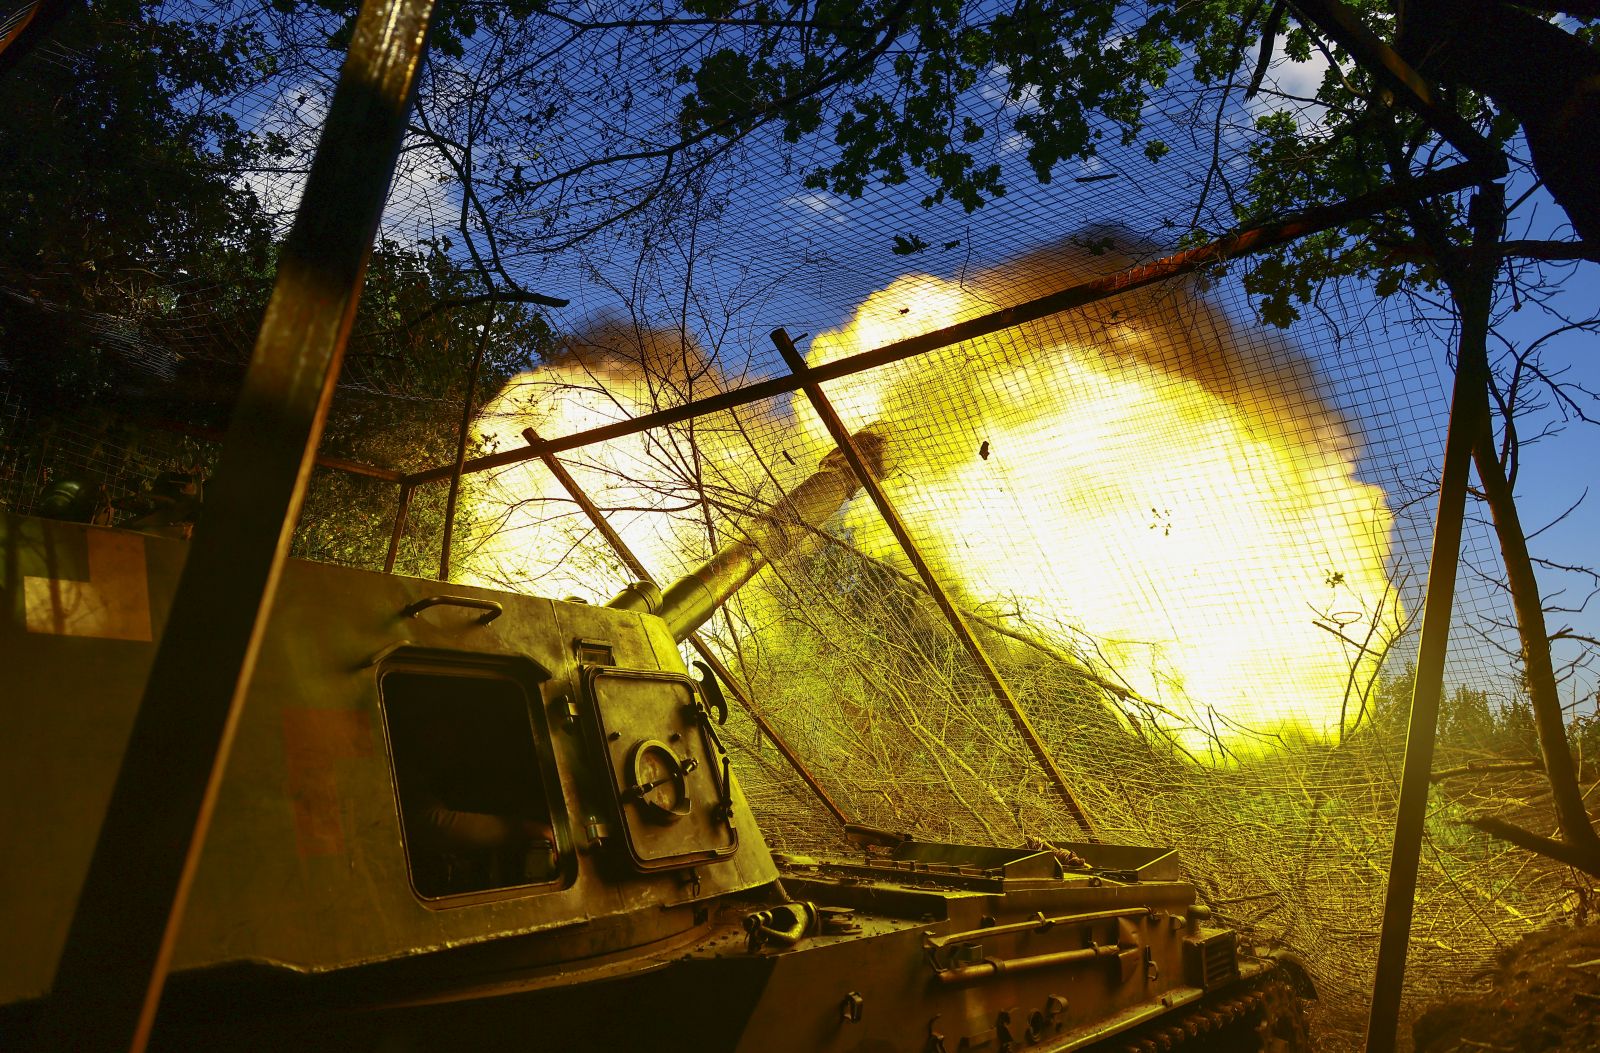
(491, 610)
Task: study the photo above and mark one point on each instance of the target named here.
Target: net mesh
(1195, 547)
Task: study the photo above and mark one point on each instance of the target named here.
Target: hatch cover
(668, 773)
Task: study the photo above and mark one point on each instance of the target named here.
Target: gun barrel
(690, 601)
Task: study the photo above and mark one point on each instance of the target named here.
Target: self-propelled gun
(461, 819)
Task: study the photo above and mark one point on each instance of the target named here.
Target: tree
(1466, 719)
(1544, 76)
(138, 262)
(421, 317)
(117, 163)
(891, 84)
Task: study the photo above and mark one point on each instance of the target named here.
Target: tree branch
(1485, 767)
(1582, 858)
(1576, 826)
(1551, 250)
(1522, 249)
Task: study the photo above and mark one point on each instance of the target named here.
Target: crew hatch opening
(473, 792)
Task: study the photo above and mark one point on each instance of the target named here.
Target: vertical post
(461, 450)
(119, 945)
(399, 531)
(1474, 294)
(1002, 691)
(718, 668)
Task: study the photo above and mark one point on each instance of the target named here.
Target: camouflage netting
(1194, 545)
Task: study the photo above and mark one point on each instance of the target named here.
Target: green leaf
(904, 246)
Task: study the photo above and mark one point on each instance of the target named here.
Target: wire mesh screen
(1196, 565)
(1194, 545)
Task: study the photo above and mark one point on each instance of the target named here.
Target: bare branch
(1572, 855)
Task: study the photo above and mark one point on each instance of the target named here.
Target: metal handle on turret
(491, 610)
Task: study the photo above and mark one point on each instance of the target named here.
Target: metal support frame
(1467, 422)
(969, 640)
(399, 530)
(323, 460)
(1255, 239)
(718, 668)
(121, 940)
(461, 451)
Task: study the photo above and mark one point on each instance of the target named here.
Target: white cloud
(995, 89)
(817, 209)
(296, 116)
(1288, 84)
(420, 197)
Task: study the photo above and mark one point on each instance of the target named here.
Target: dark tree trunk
(1544, 76)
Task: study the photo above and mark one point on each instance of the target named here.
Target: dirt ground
(1544, 995)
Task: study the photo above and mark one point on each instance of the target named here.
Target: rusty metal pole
(991, 674)
(26, 27)
(461, 450)
(1462, 434)
(1095, 290)
(624, 553)
(120, 942)
(399, 530)
(723, 673)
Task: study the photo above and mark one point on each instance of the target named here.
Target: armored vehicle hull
(458, 819)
